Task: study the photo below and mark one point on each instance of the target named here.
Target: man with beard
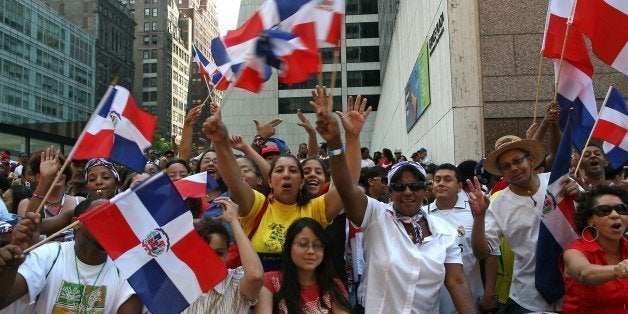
(593, 164)
(69, 277)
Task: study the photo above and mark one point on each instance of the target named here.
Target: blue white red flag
(147, 231)
(210, 73)
(197, 185)
(118, 130)
(605, 22)
(575, 88)
(612, 128)
(557, 224)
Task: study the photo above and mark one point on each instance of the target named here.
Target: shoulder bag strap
(258, 218)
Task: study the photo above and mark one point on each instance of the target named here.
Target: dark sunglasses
(414, 186)
(605, 210)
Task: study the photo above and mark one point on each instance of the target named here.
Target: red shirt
(309, 294)
(609, 297)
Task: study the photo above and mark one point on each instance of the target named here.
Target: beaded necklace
(78, 277)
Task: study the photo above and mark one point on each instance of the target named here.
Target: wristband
(259, 140)
(38, 196)
(336, 152)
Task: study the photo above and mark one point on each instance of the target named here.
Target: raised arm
(48, 168)
(253, 279)
(550, 123)
(185, 149)
(352, 197)
(216, 131)
(237, 142)
(312, 143)
(264, 131)
(479, 204)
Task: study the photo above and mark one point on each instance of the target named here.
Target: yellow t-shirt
(271, 233)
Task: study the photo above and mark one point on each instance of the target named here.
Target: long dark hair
(290, 290)
(304, 196)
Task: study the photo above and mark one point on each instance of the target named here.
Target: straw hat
(534, 148)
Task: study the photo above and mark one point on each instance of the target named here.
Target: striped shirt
(225, 297)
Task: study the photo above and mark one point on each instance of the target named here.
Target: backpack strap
(258, 219)
(55, 260)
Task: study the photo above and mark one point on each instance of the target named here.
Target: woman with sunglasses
(409, 255)
(596, 265)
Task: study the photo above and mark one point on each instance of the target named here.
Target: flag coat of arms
(148, 233)
(118, 130)
(557, 227)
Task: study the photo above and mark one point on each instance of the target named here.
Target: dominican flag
(575, 88)
(210, 73)
(612, 128)
(148, 232)
(197, 185)
(254, 71)
(118, 130)
(557, 224)
(605, 22)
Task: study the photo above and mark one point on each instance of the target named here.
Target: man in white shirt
(366, 161)
(451, 207)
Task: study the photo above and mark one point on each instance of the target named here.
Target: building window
(362, 30)
(328, 55)
(153, 53)
(146, 26)
(145, 54)
(361, 7)
(154, 26)
(146, 39)
(149, 68)
(153, 39)
(155, 12)
(312, 82)
(146, 12)
(363, 78)
(363, 54)
(149, 96)
(292, 104)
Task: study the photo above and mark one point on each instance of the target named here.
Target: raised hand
(213, 128)
(477, 200)
(356, 115)
(267, 130)
(237, 142)
(193, 115)
(229, 209)
(553, 112)
(305, 123)
(215, 109)
(326, 124)
(571, 188)
(49, 164)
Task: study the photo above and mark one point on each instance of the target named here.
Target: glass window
(146, 26)
(146, 39)
(363, 54)
(362, 30)
(363, 78)
(361, 7)
(155, 12)
(328, 55)
(145, 54)
(372, 100)
(153, 39)
(146, 12)
(312, 82)
(37, 145)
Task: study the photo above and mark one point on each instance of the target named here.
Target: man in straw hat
(515, 214)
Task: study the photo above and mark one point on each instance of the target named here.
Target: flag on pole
(148, 233)
(612, 128)
(117, 130)
(575, 86)
(197, 185)
(557, 227)
(210, 73)
(605, 22)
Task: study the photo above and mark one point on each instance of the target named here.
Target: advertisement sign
(417, 92)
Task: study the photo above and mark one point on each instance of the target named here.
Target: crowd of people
(329, 229)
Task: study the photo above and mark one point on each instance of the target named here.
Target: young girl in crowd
(306, 282)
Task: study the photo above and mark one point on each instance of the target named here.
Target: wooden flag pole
(332, 84)
(593, 129)
(538, 88)
(50, 237)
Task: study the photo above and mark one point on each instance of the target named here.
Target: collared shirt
(401, 276)
(460, 218)
(225, 297)
(517, 219)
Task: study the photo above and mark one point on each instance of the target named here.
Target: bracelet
(38, 196)
(336, 152)
(259, 140)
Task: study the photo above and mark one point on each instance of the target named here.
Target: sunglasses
(605, 210)
(414, 186)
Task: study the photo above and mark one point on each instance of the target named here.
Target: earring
(270, 195)
(591, 231)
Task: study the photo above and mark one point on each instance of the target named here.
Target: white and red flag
(612, 128)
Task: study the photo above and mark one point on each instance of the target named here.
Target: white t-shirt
(515, 218)
(100, 288)
(400, 276)
(367, 163)
(461, 219)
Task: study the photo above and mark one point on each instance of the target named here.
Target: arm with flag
(147, 231)
(118, 130)
(557, 222)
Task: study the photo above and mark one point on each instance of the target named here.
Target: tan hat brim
(534, 148)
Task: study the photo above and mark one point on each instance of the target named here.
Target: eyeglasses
(305, 246)
(414, 186)
(605, 210)
(383, 180)
(515, 162)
